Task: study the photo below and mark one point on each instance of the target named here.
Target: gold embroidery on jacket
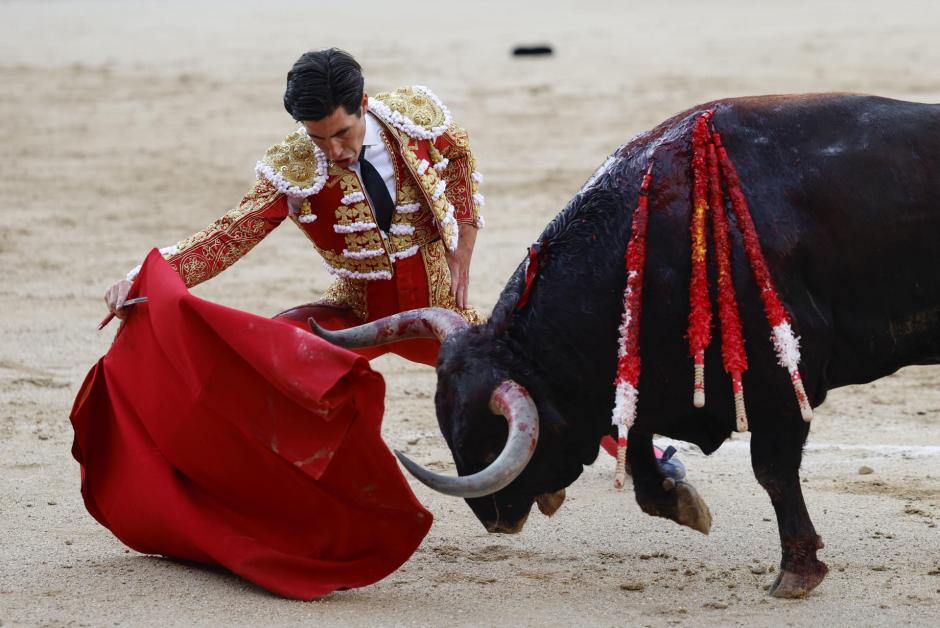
(356, 264)
(439, 281)
(364, 241)
(416, 106)
(210, 251)
(262, 195)
(428, 182)
(358, 212)
(460, 184)
(193, 270)
(408, 193)
(294, 159)
(458, 138)
(392, 147)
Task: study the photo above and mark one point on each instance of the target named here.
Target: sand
(132, 124)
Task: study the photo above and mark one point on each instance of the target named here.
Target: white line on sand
(736, 446)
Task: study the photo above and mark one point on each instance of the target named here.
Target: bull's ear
(578, 439)
(551, 419)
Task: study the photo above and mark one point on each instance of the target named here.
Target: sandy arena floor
(125, 125)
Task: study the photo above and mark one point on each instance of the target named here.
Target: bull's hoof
(692, 509)
(680, 502)
(792, 585)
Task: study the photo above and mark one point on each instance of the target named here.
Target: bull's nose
(503, 527)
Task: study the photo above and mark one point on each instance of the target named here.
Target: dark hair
(320, 82)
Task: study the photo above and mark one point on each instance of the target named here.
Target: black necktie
(382, 201)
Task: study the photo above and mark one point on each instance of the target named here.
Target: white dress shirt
(377, 154)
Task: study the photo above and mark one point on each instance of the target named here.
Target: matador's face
(340, 134)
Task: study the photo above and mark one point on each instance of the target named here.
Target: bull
(844, 191)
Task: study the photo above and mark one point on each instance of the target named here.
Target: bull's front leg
(775, 456)
(659, 495)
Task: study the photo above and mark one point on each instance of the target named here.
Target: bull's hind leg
(660, 495)
(775, 457)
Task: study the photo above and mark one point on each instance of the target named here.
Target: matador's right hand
(115, 297)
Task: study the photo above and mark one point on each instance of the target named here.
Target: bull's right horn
(427, 322)
(513, 402)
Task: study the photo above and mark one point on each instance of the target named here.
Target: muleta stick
(700, 311)
(734, 358)
(628, 364)
(785, 342)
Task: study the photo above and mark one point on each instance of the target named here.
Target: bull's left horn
(427, 322)
(513, 402)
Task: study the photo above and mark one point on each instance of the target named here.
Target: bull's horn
(513, 402)
(427, 322)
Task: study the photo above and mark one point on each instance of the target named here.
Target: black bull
(845, 195)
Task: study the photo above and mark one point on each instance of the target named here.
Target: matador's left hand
(459, 263)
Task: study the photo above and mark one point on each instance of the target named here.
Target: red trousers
(406, 290)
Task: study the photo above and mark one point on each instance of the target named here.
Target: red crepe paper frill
(785, 342)
(700, 313)
(732, 338)
(773, 308)
(628, 364)
(220, 437)
(734, 358)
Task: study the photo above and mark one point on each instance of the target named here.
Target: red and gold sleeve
(460, 173)
(210, 251)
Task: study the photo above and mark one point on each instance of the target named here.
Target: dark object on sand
(531, 51)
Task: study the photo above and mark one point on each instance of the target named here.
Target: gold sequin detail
(408, 193)
(428, 182)
(194, 270)
(357, 212)
(364, 241)
(458, 137)
(348, 293)
(416, 106)
(356, 264)
(294, 159)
